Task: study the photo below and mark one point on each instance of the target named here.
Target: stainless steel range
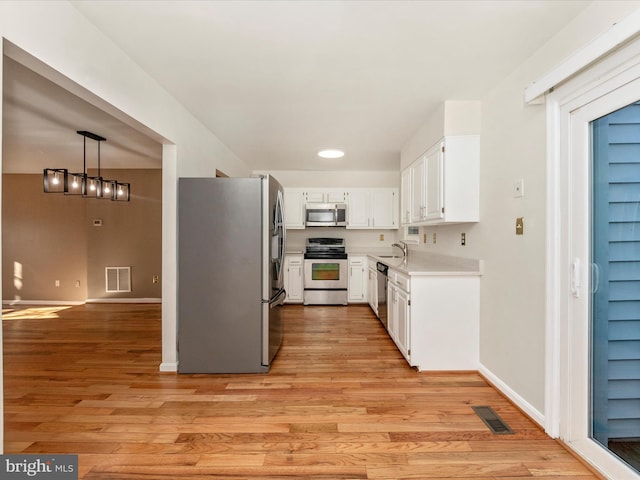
(325, 272)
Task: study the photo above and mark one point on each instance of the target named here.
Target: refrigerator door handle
(278, 298)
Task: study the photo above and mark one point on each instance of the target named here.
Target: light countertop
(417, 263)
(432, 264)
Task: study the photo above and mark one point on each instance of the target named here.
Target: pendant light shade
(77, 184)
(55, 180)
(122, 192)
(94, 187)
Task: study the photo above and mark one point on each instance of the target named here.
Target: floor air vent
(492, 420)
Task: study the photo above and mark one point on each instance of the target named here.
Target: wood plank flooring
(339, 403)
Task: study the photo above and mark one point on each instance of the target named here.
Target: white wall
(513, 146)
(452, 117)
(63, 46)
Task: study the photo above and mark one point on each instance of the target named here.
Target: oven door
(325, 273)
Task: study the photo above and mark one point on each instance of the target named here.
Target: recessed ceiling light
(331, 153)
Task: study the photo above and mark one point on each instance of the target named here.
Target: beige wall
(130, 236)
(52, 237)
(43, 236)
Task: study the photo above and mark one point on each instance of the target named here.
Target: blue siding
(616, 251)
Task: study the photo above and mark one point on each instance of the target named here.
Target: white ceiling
(278, 80)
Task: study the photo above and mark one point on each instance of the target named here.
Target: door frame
(600, 89)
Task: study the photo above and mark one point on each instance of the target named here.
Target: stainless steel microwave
(325, 215)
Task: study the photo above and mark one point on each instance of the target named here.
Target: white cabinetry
(444, 183)
(323, 195)
(434, 319)
(418, 203)
(294, 201)
(405, 197)
(368, 208)
(357, 286)
(399, 312)
(372, 208)
(293, 278)
(372, 285)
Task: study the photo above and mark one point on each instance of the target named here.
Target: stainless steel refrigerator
(231, 243)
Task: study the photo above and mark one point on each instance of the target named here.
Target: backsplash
(296, 239)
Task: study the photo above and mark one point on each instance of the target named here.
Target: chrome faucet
(402, 245)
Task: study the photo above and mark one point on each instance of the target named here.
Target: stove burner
(319, 248)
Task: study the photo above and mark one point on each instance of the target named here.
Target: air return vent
(118, 279)
(492, 420)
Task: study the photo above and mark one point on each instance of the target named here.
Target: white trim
(619, 33)
(569, 110)
(513, 396)
(42, 302)
(124, 300)
(169, 367)
(81, 302)
(553, 274)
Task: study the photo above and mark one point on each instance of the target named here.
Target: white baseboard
(42, 302)
(124, 300)
(80, 302)
(169, 367)
(520, 402)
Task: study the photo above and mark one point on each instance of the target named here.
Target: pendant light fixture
(59, 180)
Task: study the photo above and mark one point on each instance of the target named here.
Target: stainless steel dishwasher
(382, 292)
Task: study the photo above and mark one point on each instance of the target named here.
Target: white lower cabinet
(434, 319)
(357, 285)
(293, 278)
(399, 313)
(372, 285)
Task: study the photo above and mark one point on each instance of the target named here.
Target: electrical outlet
(424, 238)
(57, 283)
(434, 237)
(463, 239)
(77, 283)
(382, 237)
(154, 279)
(520, 226)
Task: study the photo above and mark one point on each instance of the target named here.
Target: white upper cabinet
(418, 203)
(384, 208)
(434, 179)
(405, 197)
(372, 208)
(294, 201)
(444, 183)
(367, 208)
(358, 215)
(323, 195)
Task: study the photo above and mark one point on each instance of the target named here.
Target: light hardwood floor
(339, 403)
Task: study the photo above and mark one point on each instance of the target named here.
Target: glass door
(615, 283)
